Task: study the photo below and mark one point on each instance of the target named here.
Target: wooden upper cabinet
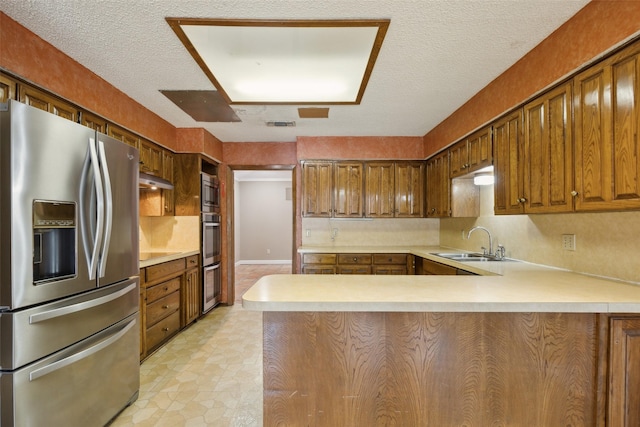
(607, 117)
(317, 188)
(548, 158)
(93, 121)
(347, 188)
(39, 99)
(438, 188)
(471, 154)
(409, 189)
(507, 163)
(379, 189)
(123, 135)
(150, 158)
(458, 158)
(8, 88)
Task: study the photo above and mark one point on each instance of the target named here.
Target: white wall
(263, 225)
(607, 244)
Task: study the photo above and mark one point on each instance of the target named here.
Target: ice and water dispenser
(54, 241)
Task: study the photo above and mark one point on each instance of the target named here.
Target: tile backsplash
(169, 233)
(607, 243)
(369, 232)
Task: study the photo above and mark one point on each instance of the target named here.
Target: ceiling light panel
(284, 62)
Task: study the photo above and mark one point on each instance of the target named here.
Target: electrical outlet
(569, 242)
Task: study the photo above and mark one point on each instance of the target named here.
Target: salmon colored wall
(259, 153)
(360, 147)
(26, 55)
(198, 140)
(592, 31)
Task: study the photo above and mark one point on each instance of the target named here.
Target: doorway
(261, 222)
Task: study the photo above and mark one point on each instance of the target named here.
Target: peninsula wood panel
(430, 369)
(624, 376)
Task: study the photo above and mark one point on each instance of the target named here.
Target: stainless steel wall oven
(211, 256)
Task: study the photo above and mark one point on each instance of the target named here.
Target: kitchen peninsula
(525, 345)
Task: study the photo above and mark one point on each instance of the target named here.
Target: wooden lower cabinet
(427, 267)
(624, 372)
(357, 263)
(170, 299)
(192, 290)
(430, 369)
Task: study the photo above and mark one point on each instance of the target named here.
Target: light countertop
(156, 257)
(503, 286)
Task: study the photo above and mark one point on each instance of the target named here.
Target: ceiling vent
(282, 124)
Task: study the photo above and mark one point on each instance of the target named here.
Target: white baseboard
(264, 261)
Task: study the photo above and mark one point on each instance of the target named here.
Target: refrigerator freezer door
(41, 158)
(32, 333)
(120, 246)
(86, 384)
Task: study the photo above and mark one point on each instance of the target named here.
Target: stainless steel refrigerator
(69, 286)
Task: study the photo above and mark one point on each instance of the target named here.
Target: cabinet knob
(522, 200)
(574, 193)
(165, 306)
(355, 259)
(165, 329)
(166, 288)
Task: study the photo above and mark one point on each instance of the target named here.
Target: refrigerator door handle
(35, 374)
(108, 198)
(93, 266)
(59, 312)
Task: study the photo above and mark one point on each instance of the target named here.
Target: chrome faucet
(484, 250)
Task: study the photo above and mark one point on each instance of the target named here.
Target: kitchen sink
(469, 257)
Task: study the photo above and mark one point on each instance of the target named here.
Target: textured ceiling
(436, 55)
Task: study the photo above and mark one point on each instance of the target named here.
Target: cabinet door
(348, 185)
(168, 202)
(316, 189)
(624, 373)
(186, 193)
(607, 118)
(8, 87)
(379, 189)
(409, 190)
(94, 122)
(507, 162)
(150, 158)
(191, 300)
(480, 150)
(38, 99)
(123, 135)
(438, 187)
(548, 160)
(458, 159)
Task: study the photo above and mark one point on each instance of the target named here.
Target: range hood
(154, 182)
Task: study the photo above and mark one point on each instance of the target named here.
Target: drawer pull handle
(165, 306)
(166, 288)
(165, 329)
(355, 259)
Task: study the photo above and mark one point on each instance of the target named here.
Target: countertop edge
(167, 258)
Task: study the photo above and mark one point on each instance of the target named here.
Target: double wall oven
(211, 228)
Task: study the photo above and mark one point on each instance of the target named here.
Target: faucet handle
(484, 250)
(500, 252)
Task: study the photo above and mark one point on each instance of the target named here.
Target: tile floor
(211, 373)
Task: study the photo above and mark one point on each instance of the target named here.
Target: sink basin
(468, 257)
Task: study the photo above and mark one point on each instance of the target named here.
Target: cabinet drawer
(163, 289)
(390, 259)
(318, 258)
(318, 269)
(162, 308)
(394, 269)
(354, 259)
(432, 267)
(163, 330)
(166, 269)
(192, 261)
(354, 269)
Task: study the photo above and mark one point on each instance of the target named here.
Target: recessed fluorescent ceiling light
(284, 62)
